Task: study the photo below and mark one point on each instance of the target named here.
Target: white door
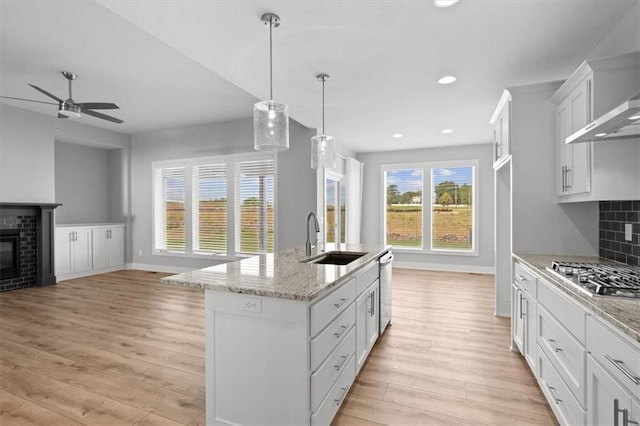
(606, 400)
(335, 201)
(116, 247)
(82, 250)
(100, 250)
(373, 315)
(362, 304)
(62, 253)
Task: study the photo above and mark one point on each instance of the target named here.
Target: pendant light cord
(323, 80)
(271, 58)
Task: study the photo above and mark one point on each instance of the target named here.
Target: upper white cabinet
(593, 171)
(501, 122)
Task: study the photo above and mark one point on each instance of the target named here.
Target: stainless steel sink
(335, 257)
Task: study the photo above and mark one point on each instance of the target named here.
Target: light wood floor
(120, 349)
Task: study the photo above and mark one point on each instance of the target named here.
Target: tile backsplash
(613, 217)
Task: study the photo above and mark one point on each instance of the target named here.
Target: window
(335, 214)
(214, 206)
(447, 224)
(403, 189)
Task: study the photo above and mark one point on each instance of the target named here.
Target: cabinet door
(580, 175)
(564, 151)
(100, 248)
(62, 254)
(518, 318)
(362, 305)
(530, 333)
(82, 260)
(115, 247)
(606, 399)
(373, 315)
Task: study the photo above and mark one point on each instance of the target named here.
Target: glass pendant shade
(323, 152)
(270, 126)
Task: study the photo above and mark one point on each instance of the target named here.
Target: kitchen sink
(335, 257)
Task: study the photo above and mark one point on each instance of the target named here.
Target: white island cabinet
(285, 338)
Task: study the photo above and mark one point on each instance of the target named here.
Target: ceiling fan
(70, 108)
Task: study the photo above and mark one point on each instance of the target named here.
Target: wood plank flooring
(121, 349)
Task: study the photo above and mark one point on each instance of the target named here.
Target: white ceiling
(178, 63)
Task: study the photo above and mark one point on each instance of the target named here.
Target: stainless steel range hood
(622, 122)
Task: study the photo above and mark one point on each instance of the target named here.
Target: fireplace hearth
(26, 245)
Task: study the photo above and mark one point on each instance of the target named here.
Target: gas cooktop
(599, 279)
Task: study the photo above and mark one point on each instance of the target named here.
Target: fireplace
(26, 245)
(9, 253)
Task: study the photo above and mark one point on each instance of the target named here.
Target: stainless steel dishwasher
(385, 261)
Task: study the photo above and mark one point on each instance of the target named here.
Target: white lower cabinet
(608, 402)
(287, 362)
(72, 251)
(82, 250)
(524, 315)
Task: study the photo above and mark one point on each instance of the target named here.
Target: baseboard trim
(89, 273)
(445, 267)
(159, 268)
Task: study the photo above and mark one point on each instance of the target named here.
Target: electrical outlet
(627, 231)
(252, 304)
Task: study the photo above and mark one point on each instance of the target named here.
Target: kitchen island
(285, 338)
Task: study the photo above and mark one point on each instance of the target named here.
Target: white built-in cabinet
(501, 122)
(588, 371)
(592, 171)
(72, 251)
(279, 361)
(108, 245)
(82, 250)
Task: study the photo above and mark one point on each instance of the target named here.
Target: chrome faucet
(309, 245)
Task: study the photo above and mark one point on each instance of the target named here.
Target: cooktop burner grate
(600, 279)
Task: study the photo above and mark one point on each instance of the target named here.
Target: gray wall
(296, 191)
(82, 183)
(624, 38)
(26, 156)
(372, 215)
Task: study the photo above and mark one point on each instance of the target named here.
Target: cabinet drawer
(618, 356)
(565, 353)
(329, 371)
(366, 277)
(560, 398)
(328, 308)
(329, 407)
(567, 313)
(323, 344)
(525, 279)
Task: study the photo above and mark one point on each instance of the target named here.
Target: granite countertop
(622, 313)
(280, 275)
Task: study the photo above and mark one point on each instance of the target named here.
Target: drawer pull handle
(341, 332)
(343, 393)
(552, 391)
(342, 302)
(555, 346)
(339, 365)
(520, 277)
(521, 308)
(620, 366)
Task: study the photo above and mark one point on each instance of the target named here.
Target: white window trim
(427, 223)
(188, 164)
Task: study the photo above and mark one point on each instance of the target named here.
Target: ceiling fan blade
(28, 100)
(46, 93)
(103, 116)
(97, 105)
(62, 116)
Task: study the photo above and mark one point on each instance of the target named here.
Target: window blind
(452, 208)
(170, 209)
(210, 208)
(254, 223)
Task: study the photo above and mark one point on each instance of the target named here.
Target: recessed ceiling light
(444, 3)
(447, 79)
(397, 135)
(635, 117)
(447, 131)
(599, 135)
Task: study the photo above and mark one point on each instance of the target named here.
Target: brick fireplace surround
(36, 224)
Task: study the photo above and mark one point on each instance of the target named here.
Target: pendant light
(323, 147)
(270, 118)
